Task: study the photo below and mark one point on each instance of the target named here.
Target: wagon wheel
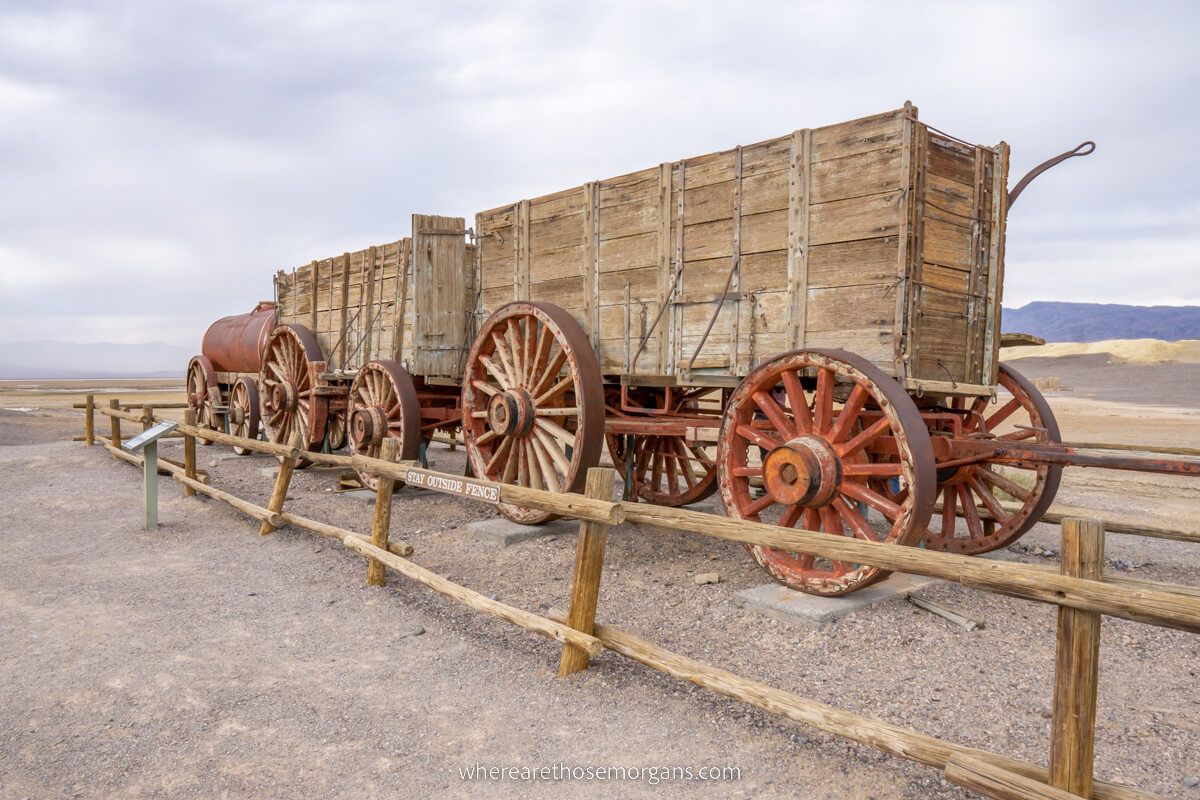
(975, 490)
(289, 400)
(243, 412)
(815, 426)
(667, 470)
(204, 395)
(336, 432)
(383, 403)
(533, 403)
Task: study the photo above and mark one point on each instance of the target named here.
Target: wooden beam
(799, 181)
(884, 736)
(284, 479)
(312, 296)
(89, 420)
(266, 516)
(475, 600)
(115, 422)
(376, 575)
(1164, 608)
(996, 782)
(400, 548)
(189, 452)
(589, 565)
(1077, 665)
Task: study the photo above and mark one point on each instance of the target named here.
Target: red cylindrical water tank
(235, 344)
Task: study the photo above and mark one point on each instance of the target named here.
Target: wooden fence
(1081, 591)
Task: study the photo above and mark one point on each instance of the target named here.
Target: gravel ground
(203, 660)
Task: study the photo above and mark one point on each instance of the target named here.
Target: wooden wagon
(810, 324)
(354, 348)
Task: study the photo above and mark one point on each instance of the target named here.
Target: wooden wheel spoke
(797, 402)
(497, 373)
(862, 492)
(760, 438)
(555, 451)
(486, 437)
(1004, 484)
(550, 372)
(774, 414)
(511, 337)
(556, 430)
(1005, 411)
(849, 413)
(879, 469)
(989, 500)
(790, 516)
(759, 505)
(974, 523)
(486, 388)
(854, 520)
(499, 456)
(823, 401)
(554, 390)
(863, 438)
(949, 511)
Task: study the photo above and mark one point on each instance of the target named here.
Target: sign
(467, 487)
(149, 435)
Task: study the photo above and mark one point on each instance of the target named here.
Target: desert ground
(203, 660)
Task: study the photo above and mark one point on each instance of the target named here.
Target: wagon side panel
(955, 303)
(443, 277)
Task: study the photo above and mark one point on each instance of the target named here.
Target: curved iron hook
(1084, 149)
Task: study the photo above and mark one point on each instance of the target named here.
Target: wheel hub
(237, 414)
(283, 396)
(803, 471)
(368, 425)
(511, 412)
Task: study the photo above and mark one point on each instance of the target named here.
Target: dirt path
(203, 660)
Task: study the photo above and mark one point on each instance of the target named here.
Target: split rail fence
(1080, 590)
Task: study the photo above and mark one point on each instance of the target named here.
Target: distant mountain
(1093, 322)
(48, 359)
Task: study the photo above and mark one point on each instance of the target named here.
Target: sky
(160, 161)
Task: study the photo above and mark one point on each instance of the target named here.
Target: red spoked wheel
(815, 426)
(243, 412)
(288, 383)
(337, 433)
(383, 403)
(204, 395)
(999, 503)
(533, 403)
(667, 470)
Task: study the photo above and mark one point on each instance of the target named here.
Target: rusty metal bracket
(1084, 149)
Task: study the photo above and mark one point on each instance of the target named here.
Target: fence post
(189, 452)
(115, 423)
(89, 420)
(376, 575)
(147, 417)
(585, 580)
(282, 481)
(1076, 664)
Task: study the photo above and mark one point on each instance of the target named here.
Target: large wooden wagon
(810, 324)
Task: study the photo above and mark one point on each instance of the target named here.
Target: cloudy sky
(159, 161)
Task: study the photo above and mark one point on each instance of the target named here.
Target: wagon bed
(881, 236)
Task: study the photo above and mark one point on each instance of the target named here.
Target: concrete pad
(811, 611)
(501, 532)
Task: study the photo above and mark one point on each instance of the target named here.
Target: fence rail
(1080, 591)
